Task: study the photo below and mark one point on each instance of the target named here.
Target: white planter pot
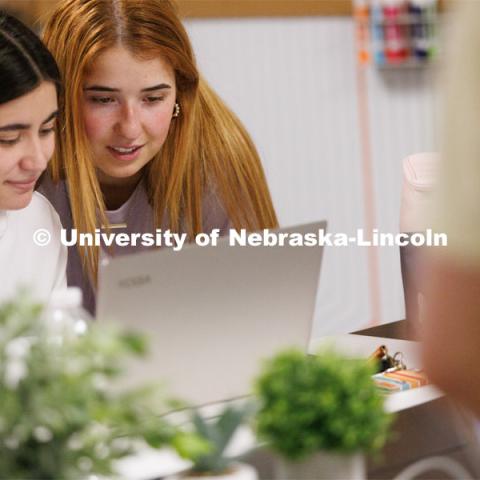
(240, 471)
(323, 466)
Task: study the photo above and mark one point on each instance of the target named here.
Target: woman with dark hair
(31, 254)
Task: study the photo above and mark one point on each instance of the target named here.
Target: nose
(36, 156)
(128, 124)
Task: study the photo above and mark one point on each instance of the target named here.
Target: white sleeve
(60, 279)
(58, 252)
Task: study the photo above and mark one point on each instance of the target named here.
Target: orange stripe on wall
(368, 193)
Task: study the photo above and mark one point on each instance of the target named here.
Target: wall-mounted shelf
(267, 8)
(34, 9)
(396, 33)
(264, 8)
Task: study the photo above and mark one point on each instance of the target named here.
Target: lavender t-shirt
(136, 213)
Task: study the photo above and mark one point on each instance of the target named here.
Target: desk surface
(400, 330)
(165, 462)
(362, 346)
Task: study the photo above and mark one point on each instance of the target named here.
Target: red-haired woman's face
(127, 107)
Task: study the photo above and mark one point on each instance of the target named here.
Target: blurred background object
(29, 11)
(419, 171)
(403, 33)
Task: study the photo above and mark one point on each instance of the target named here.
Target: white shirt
(23, 263)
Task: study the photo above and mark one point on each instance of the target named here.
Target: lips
(22, 185)
(125, 152)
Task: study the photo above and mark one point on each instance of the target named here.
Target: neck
(115, 194)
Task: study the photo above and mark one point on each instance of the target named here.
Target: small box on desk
(400, 380)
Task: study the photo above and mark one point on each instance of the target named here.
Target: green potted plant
(59, 418)
(212, 461)
(320, 413)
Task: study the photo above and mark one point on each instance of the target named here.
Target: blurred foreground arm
(452, 277)
(452, 329)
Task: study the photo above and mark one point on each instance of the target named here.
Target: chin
(17, 202)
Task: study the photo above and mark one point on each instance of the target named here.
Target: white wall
(292, 81)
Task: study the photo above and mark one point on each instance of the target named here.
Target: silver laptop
(213, 314)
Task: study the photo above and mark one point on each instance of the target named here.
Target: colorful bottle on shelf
(422, 19)
(431, 10)
(377, 32)
(396, 31)
(362, 16)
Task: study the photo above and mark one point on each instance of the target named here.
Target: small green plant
(216, 434)
(322, 402)
(59, 418)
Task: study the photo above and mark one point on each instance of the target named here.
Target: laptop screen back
(212, 314)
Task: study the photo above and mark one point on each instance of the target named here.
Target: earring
(176, 111)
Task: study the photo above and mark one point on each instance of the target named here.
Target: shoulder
(33, 248)
(40, 212)
(40, 202)
(38, 220)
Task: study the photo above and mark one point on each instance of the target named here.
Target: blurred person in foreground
(451, 344)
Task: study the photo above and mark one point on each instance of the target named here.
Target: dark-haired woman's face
(27, 141)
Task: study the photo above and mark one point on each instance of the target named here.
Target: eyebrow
(102, 88)
(24, 126)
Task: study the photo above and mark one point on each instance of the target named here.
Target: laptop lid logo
(135, 282)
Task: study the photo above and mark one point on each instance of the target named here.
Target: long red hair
(206, 145)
